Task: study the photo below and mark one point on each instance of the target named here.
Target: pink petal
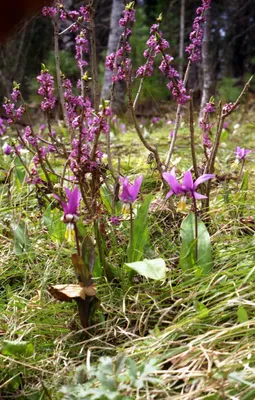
(199, 196)
(187, 182)
(202, 179)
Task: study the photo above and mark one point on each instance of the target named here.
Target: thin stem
(94, 64)
(77, 239)
(59, 80)
(196, 229)
(142, 80)
(131, 228)
(177, 119)
(192, 134)
(103, 262)
(240, 174)
(152, 149)
(84, 198)
(109, 157)
(211, 161)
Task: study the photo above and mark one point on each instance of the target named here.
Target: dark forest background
(231, 55)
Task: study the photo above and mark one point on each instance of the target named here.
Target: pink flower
(130, 192)
(71, 206)
(7, 149)
(241, 153)
(196, 36)
(188, 187)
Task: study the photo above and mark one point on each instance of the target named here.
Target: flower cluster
(2, 127)
(81, 47)
(196, 36)
(227, 108)
(157, 45)
(28, 137)
(77, 17)
(128, 15)
(34, 177)
(89, 127)
(117, 62)
(46, 89)
(15, 95)
(12, 113)
(204, 124)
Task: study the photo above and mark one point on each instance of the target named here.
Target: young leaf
(106, 197)
(88, 253)
(21, 239)
(140, 232)
(56, 228)
(187, 253)
(17, 348)
(154, 269)
(20, 172)
(242, 315)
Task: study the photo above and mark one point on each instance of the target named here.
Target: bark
(206, 65)
(181, 43)
(118, 104)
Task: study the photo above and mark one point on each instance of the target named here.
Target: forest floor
(187, 338)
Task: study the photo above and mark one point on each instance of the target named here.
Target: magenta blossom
(7, 149)
(70, 211)
(188, 187)
(114, 220)
(71, 206)
(130, 192)
(241, 153)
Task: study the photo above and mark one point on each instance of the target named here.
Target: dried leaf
(69, 292)
(81, 270)
(88, 253)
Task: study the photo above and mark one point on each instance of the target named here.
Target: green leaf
(21, 239)
(140, 232)
(88, 253)
(202, 310)
(20, 172)
(244, 186)
(56, 228)
(242, 315)
(242, 193)
(106, 197)
(15, 348)
(154, 269)
(203, 263)
(224, 135)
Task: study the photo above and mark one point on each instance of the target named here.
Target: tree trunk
(118, 104)
(181, 43)
(206, 67)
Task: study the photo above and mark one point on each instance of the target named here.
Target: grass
(200, 330)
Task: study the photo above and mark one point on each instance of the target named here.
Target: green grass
(200, 330)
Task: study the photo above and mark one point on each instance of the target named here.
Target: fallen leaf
(69, 292)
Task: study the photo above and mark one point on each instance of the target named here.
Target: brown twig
(192, 134)
(58, 72)
(152, 149)
(94, 64)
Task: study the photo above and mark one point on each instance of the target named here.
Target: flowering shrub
(80, 150)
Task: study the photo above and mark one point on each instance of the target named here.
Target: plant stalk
(196, 229)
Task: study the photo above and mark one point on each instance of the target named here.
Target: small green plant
(111, 379)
